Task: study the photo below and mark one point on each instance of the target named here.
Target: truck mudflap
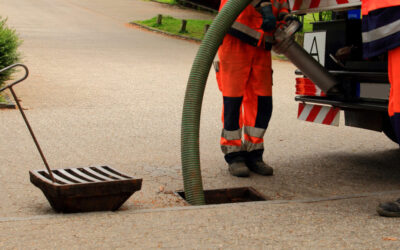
(371, 115)
(311, 6)
(319, 114)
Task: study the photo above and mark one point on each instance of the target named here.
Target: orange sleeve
(371, 5)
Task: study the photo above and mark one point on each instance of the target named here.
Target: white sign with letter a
(315, 43)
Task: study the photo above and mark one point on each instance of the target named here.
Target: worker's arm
(269, 19)
(283, 10)
(247, 28)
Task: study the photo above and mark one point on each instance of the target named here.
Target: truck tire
(388, 129)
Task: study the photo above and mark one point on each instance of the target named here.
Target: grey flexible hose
(190, 153)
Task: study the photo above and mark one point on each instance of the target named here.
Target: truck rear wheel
(388, 129)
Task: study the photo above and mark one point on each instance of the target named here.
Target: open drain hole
(229, 195)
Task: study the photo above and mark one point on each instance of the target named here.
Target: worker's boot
(259, 167)
(389, 209)
(239, 169)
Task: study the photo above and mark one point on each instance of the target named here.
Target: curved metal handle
(18, 81)
(10, 86)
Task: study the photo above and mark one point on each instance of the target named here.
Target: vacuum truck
(332, 78)
(363, 84)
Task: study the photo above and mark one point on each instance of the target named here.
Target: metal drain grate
(72, 176)
(85, 189)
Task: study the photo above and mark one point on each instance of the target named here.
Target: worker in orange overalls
(244, 77)
(381, 34)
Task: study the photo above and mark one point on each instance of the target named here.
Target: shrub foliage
(9, 43)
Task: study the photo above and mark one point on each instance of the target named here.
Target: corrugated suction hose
(190, 153)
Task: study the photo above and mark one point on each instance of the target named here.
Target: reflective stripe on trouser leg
(231, 137)
(253, 138)
(231, 141)
(253, 135)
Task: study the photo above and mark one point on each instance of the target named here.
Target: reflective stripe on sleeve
(381, 32)
(246, 30)
(253, 34)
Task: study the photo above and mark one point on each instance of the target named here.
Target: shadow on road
(379, 167)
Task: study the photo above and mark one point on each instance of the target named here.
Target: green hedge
(9, 43)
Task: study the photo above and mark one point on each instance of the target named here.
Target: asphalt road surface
(102, 92)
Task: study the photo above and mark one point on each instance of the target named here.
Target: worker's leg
(392, 208)
(257, 111)
(232, 78)
(394, 98)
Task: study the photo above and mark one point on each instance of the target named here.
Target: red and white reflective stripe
(305, 86)
(319, 114)
(310, 4)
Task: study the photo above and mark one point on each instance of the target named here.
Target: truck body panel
(312, 6)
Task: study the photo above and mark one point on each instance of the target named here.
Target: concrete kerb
(165, 32)
(185, 208)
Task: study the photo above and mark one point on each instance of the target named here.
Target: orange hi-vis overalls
(381, 34)
(245, 80)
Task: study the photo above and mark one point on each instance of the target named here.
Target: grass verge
(194, 28)
(2, 99)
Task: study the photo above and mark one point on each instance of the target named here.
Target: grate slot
(78, 175)
(58, 173)
(104, 173)
(59, 178)
(78, 179)
(98, 174)
(87, 173)
(47, 176)
(115, 172)
(83, 175)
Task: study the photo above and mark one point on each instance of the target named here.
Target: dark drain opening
(229, 195)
